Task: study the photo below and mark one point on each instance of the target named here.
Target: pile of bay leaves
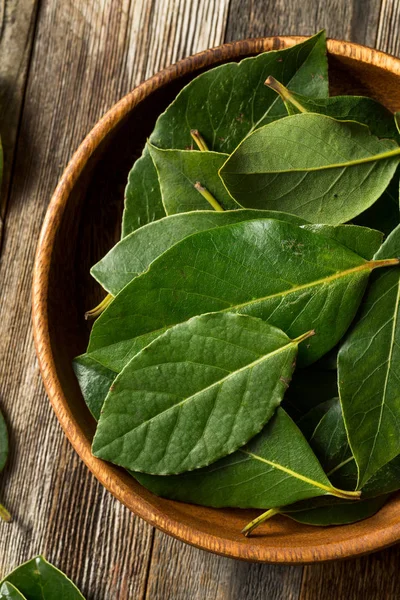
(260, 235)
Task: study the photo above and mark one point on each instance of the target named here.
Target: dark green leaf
(9, 592)
(363, 241)
(196, 394)
(39, 580)
(309, 422)
(384, 213)
(143, 203)
(224, 104)
(180, 170)
(134, 254)
(334, 512)
(343, 108)
(369, 363)
(94, 380)
(276, 271)
(340, 171)
(275, 468)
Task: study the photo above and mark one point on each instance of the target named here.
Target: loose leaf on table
(295, 279)
(368, 371)
(37, 579)
(94, 380)
(340, 171)
(179, 171)
(224, 104)
(343, 108)
(9, 592)
(196, 394)
(275, 468)
(134, 253)
(143, 202)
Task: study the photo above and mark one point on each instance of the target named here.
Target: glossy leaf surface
(196, 394)
(9, 592)
(369, 366)
(37, 579)
(94, 380)
(292, 278)
(224, 104)
(341, 170)
(334, 512)
(134, 254)
(275, 468)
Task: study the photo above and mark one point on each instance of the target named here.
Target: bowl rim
(111, 478)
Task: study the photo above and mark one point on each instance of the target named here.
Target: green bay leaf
(331, 511)
(277, 467)
(94, 380)
(178, 173)
(224, 104)
(341, 170)
(9, 592)
(196, 394)
(369, 366)
(37, 579)
(134, 253)
(343, 108)
(294, 279)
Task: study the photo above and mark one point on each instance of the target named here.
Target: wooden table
(62, 65)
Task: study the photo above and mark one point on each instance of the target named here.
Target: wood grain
(17, 26)
(83, 61)
(354, 20)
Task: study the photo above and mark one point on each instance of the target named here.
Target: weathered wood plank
(180, 572)
(85, 57)
(368, 578)
(17, 24)
(355, 20)
(387, 38)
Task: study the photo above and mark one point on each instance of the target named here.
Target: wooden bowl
(82, 223)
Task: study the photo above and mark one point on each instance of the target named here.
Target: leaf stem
(386, 262)
(209, 197)
(284, 93)
(4, 514)
(97, 310)
(259, 520)
(345, 494)
(200, 141)
(304, 336)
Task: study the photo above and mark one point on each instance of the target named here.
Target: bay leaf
(330, 444)
(143, 202)
(384, 213)
(196, 394)
(308, 422)
(9, 592)
(94, 380)
(134, 253)
(343, 108)
(37, 579)
(341, 170)
(368, 367)
(275, 468)
(362, 240)
(295, 279)
(178, 173)
(224, 104)
(336, 512)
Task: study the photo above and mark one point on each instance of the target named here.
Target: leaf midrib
(209, 387)
(389, 363)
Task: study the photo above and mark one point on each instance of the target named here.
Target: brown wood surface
(85, 56)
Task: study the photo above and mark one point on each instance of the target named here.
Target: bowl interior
(89, 227)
